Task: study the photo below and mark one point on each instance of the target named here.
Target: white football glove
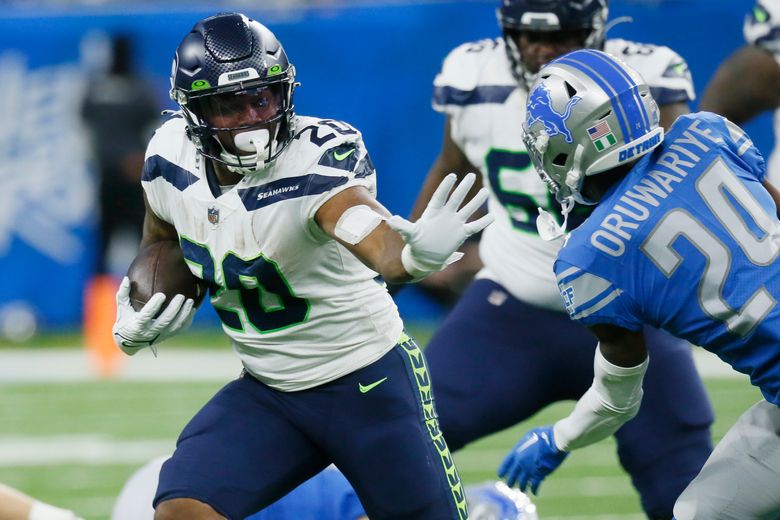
(136, 330)
(432, 241)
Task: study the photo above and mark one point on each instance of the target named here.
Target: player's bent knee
(185, 509)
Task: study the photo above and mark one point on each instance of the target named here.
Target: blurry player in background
(277, 213)
(508, 349)
(120, 112)
(748, 82)
(695, 253)
(326, 496)
(15, 505)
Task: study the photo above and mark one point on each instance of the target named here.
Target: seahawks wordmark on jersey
(300, 309)
(486, 108)
(687, 242)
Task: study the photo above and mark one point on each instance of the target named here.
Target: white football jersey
(762, 28)
(486, 107)
(301, 310)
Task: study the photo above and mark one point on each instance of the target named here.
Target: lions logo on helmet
(612, 122)
(497, 501)
(540, 109)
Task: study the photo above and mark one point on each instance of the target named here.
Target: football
(160, 267)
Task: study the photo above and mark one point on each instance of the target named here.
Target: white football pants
(741, 478)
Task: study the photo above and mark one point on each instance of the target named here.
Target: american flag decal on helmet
(602, 136)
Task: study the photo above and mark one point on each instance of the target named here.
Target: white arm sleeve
(613, 398)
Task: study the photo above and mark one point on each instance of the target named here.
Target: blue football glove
(533, 458)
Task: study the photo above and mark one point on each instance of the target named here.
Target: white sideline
(35, 365)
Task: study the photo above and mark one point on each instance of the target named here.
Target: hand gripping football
(160, 267)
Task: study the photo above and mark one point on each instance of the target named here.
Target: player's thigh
(666, 444)
(496, 360)
(239, 453)
(741, 480)
(387, 442)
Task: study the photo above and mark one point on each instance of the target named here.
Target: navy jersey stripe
(479, 95)
(157, 166)
(285, 189)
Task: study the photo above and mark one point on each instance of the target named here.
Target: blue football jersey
(327, 496)
(688, 241)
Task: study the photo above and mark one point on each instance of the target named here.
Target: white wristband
(412, 266)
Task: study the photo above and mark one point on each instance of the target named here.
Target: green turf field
(74, 444)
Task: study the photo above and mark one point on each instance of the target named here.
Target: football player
(508, 349)
(748, 82)
(277, 214)
(683, 237)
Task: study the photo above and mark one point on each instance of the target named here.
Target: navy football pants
(250, 445)
(496, 365)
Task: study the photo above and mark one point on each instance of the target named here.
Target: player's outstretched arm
(745, 84)
(134, 330)
(613, 398)
(451, 159)
(399, 250)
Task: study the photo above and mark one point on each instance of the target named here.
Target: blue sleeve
(739, 145)
(326, 496)
(345, 500)
(591, 299)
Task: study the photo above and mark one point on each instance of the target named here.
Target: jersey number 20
(713, 187)
(265, 300)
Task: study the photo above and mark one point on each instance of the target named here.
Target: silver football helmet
(587, 113)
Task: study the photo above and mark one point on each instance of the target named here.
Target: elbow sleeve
(613, 398)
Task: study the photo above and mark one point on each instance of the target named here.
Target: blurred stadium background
(72, 437)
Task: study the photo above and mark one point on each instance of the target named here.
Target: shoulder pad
(475, 72)
(666, 72)
(169, 139)
(315, 138)
(321, 133)
(762, 25)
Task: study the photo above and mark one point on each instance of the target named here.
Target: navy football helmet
(516, 16)
(234, 85)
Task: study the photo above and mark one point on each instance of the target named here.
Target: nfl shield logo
(213, 215)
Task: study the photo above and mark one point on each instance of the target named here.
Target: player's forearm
(381, 251)
(612, 400)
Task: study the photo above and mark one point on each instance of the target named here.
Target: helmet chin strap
(257, 142)
(548, 227)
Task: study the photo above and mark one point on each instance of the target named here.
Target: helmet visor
(241, 109)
